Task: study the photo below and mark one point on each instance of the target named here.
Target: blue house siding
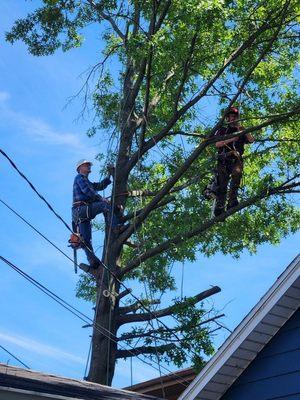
(275, 372)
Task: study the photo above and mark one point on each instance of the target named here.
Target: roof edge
(246, 326)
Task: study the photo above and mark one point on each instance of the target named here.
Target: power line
(83, 317)
(147, 309)
(15, 357)
(36, 230)
(35, 190)
(56, 247)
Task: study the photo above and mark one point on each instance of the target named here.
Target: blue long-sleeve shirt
(84, 190)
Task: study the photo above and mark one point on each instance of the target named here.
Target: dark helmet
(232, 110)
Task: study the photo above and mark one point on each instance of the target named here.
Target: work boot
(85, 267)
(89, 267)
(232, 204)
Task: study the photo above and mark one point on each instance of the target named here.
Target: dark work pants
(229, 168)
(82, 217)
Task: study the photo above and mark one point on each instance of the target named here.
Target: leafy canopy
(188, 60)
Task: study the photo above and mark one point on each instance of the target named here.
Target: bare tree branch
(107, 17)
(148, 316)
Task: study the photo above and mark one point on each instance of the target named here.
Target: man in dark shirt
(87, 204)
(230, 161)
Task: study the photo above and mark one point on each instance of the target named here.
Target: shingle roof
(20, 379)
(249, 338)
(169, 386)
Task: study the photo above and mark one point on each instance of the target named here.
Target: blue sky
(45, 139)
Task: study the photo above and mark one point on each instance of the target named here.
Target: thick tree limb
(136, 19)
(205, 226)
(124, 293)
(162, 16)
(146, 102)
(125, 319)
(136, 306)
(144, 350)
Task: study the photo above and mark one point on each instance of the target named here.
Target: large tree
(178, 65)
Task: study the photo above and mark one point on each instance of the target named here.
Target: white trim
(42, 395)
(243, 330)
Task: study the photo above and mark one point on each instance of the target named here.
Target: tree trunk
(101, 355)
(104, 350)
(104, 345)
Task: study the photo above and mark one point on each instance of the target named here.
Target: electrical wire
(49, 241)
(102, 264)
(36, 230)
(35, 190)
(83, 317)
(15, 357)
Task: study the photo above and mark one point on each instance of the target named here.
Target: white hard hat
(83, 161)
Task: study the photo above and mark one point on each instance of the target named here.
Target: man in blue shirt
(87, 204)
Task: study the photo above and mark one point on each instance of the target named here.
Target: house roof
(168, 386)
(25, 381)
(249, 338)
